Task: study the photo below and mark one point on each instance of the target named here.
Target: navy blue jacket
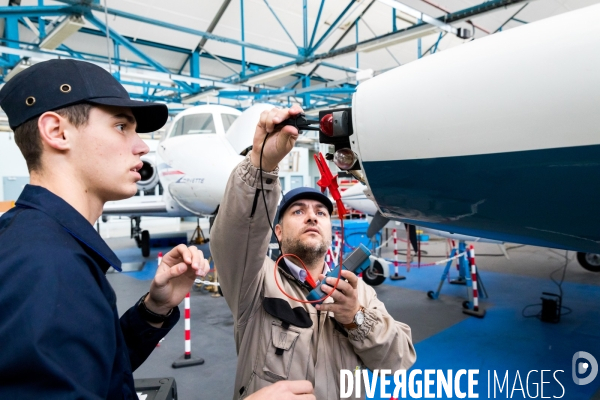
(60, 333)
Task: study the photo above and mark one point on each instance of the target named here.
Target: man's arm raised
(240, 234)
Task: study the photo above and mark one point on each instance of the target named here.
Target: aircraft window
(194, 124)
(228, 120)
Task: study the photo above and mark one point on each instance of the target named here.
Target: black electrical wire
(559, 284)
(262, 189)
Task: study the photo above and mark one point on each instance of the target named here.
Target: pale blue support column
(305, 25)
(306, 96)
(243, 72)
(419, 55)
(11, 32)
(41, 22)
(195, 67)
(394, 26)
(117, 60)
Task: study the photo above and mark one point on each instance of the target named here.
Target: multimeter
(357, 262)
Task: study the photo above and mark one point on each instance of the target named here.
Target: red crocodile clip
(329, 181)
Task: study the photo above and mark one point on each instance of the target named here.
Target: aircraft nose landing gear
(142, 238)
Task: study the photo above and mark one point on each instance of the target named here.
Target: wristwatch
(149, 315)
(358, 320)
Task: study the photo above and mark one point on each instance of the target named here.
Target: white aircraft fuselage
(497, 138)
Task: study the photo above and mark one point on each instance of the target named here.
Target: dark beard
(307, 254)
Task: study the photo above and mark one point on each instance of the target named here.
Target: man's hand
(285, 390)
(345, 297)
(279, 142)
(174, 278)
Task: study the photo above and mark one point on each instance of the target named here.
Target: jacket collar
(71, 220)
(285, 271)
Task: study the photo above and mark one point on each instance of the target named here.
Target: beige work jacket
(278, 338)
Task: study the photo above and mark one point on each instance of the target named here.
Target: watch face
(359, 318)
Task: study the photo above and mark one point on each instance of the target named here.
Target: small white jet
(192, 162)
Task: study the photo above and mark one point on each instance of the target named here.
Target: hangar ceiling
(237, 52)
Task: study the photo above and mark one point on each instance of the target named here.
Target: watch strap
(353, 324)
(149, 315)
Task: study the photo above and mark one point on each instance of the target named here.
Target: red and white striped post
(395, 276)
(186, 360)
(329, 258)
(475, 311)
(336, 247)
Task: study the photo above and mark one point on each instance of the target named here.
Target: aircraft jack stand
(472, 280)
(198, 235)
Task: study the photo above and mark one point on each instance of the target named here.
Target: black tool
(300, 122)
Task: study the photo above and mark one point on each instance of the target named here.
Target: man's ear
(278, 231)
(54, 131)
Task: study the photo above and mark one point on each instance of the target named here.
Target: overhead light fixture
(66, 28)
(272, 75)
(428, 26)
(21, 65)
(420, 15)
(200, 96)
(403, 36)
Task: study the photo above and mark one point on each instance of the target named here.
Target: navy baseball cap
(54, 84)
(303, 193)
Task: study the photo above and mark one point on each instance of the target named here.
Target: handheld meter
(357, 262)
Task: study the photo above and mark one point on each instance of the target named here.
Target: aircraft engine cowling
(149, 175)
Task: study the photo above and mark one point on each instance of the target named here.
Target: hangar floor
(444, 337)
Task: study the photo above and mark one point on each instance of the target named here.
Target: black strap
(255, 202)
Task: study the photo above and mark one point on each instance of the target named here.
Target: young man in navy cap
(60, 332)
(278, 336)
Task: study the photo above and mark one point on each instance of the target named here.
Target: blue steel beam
(331, 27)
(305, 26)
(37, 11)
(41, 22)
(280, 23)
(437, 43)
(11, 32)
(264, 71)
(143, 42)
(166, 99)
(511, 18)
(312, 39)
(184, 29)
(449, 18)
(195, 67)
(128, 45)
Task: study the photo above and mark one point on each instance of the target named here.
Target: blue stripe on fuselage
(544, 197)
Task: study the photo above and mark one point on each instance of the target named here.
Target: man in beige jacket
(278, 338)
